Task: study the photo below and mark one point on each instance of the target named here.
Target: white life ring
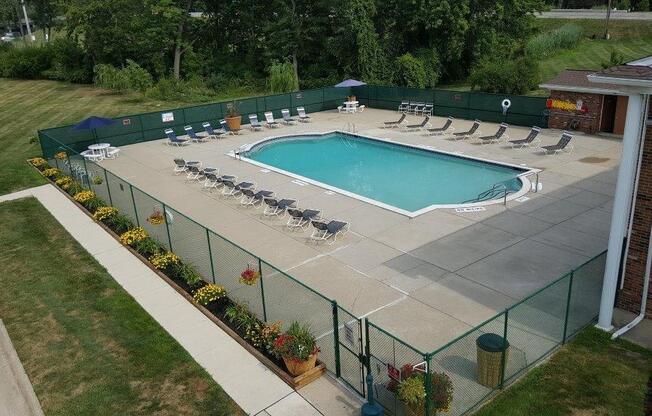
(506, 104)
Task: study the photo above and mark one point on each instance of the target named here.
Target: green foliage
(69, 62)
(281, 78)
(642, 6)
(410, 71)
(167, 89)
(506, 76)
(412, 391)
(148, 247)
(27, 62)
(131, 77)
(431, 66)
(548, 43)
(187, 273)
(119, 223)
(297, 343)
(615, 58)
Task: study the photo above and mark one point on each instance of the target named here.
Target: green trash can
(490, 359)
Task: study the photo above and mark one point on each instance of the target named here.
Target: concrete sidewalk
(252, 385)
(17, 397)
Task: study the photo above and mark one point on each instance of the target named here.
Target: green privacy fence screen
(524, 111)
(138, 128)
(532, 327)
(130, 129)
(277, 296)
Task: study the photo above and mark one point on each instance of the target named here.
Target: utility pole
(606, 25)
(29, 29)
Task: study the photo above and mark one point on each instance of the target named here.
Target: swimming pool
(407, 179)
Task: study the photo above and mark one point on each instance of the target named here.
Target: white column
(636, 116)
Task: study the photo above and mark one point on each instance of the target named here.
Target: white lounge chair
(269, 120)
(300, 218)
(287, 118)
(173, 140)
(254, 124)
(182, 165)
(303, 117)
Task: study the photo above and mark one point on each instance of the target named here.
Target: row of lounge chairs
(532, 140)
(249, 195)
(224, 130)
(416, 108)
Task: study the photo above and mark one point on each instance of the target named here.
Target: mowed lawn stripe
(86, 345)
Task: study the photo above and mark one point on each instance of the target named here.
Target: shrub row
(62, 59)
(548, 43)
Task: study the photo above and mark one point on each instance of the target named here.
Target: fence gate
(350, 367)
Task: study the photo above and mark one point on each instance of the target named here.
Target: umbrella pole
(94, 136)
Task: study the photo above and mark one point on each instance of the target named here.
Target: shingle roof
(576, 79)
(628, 71)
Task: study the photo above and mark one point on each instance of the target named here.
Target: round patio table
(99, 148)
(351, 106)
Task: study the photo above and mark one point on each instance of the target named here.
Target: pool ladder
(499, 189)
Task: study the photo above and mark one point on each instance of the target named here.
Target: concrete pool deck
(425, 279)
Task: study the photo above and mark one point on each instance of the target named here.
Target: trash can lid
(492, 342)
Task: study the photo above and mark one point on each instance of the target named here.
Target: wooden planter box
(295, 382)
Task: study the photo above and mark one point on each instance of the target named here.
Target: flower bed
(263, 340)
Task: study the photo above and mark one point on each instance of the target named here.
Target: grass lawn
(633, 39)
(28, 106)
(87, 346)
(590, 376)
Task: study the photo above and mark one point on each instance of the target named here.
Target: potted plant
(249, 276)
(298, 349)
(411, 391)
(156, 217)
(233, 118)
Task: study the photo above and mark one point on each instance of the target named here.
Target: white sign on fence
(167, 117)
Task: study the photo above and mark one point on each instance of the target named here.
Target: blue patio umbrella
(93, 123)
(350, 83)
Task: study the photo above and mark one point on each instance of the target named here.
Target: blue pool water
(404, 177)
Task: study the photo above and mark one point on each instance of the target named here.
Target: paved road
(593, 14)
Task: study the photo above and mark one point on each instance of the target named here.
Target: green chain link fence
(533, 328)
(130, 129)
(276, 297)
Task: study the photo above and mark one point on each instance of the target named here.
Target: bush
(297, 343)
(69, 62)
(119, 223)
(193, 89)
(209, 293)
(281, 78)
(132, 77)
(506, 76)
(25, 63)
(431, 66)
(547, 44)
(410, 71)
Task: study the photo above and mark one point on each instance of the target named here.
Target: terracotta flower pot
(297, 367)
(234, 122)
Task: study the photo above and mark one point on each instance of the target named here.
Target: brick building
(635, 267)
(629, 256)
(575, 103)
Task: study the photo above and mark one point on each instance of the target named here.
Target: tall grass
(547, 44)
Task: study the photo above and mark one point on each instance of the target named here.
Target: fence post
(167, 226)
(108, 188)
(133, 200)
(367, 346)
(428, 386)
(336, 339)
(88, 178)
(568, 301)
(262, 288)
(210, 252)
(504, 352)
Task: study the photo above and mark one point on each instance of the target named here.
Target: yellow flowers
(84, 196)
(209, 293)
(64, 182)
(37, 162)
(103, 213)
(132, 236)
(60, 155)
(51, 172)
(164, 260)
